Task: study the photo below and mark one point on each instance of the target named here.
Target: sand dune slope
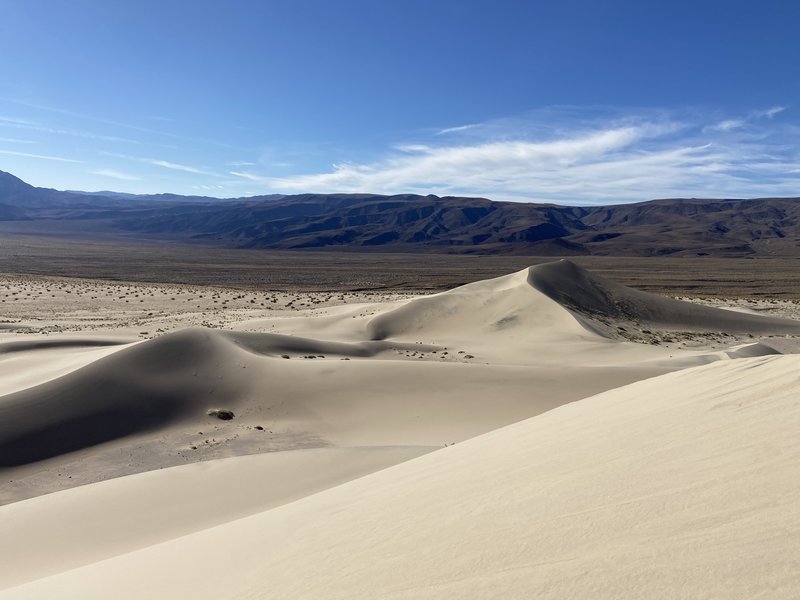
(594, 296)
(137, 388)
(682, 486)
(70, 342)
(493, 307)
(559, 301)
(68, 529)
(145, 387)
(29, 362)
(144, 392)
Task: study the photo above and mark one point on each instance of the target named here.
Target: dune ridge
(593, 296)
(592, 301)
(44, 344)
(499, 307)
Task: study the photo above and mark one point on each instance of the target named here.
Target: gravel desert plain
(184, 421)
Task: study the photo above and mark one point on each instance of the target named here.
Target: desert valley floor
(548, 433)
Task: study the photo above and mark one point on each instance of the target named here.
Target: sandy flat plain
(545, 433)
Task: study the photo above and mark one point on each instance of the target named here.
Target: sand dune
(303, 403)
(560, 301)
(29, 362)
(138, 388)
(752, 350)
(682, 484)
(499, 307)
(147, 387)
(62, 531)
(679, 486)
(427, 371)
(593, 296)
(43, 344)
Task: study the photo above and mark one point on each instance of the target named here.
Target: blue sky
(574, 102)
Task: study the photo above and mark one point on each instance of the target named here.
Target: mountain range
(415, 223)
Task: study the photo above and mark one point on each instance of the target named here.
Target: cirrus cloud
(582, 161)
(114, 174)
(39, 156)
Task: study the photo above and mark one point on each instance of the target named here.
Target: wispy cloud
(487, 165)
(100, 120)
(16, 141)
(178, 167)
(727, 125)
(737, 123)
(769, 112)
(458, 129)
(583, 159)
(249, 176)
(165, 164)
(29, 125)
(412, 148)
(115, 174)
(40, 156)
(241, 164)
(17, 121)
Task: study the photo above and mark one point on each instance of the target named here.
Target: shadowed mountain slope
(413, 223)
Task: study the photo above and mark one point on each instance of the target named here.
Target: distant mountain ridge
(414, 223)
(15, 192)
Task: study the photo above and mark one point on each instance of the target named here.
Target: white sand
(644, 491)
(57, 532)
(29, 362)
(679, 486)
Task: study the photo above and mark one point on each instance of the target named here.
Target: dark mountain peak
(9, 181)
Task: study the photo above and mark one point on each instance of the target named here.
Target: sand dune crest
(496, 307)
(594, 296)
